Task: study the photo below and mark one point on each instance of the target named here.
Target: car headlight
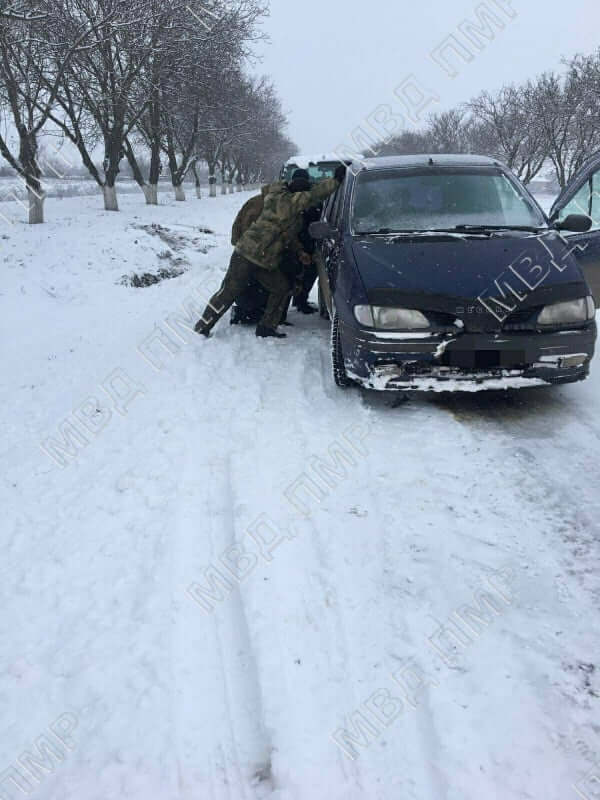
(364, 315)
(571, 311)
(389, 318)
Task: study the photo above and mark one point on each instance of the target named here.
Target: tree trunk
(213, 186)
(35, 193)
(151, 194)
(135, 168)
(36, 205)
(110, 198)
(179, 193)
(197, 181)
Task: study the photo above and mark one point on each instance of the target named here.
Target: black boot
(202, 328)
(265, 333)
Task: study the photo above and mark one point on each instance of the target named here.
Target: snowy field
(122, 677)
(59, 188)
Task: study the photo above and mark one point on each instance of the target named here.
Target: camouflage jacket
(281, 221)
(249, 213)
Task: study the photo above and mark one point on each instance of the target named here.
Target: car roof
(304, 160)
(429, 159)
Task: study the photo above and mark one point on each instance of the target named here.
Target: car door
(328, 249)
(582, 196)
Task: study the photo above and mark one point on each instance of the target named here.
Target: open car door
(582, 196)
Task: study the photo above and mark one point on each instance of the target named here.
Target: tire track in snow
(282, 606)
(217, 668)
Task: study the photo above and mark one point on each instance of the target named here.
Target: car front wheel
(322, 305)
(340, 376)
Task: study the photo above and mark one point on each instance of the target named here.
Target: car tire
(340, 376)
(323, 312)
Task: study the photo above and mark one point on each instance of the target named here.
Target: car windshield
(440, 199)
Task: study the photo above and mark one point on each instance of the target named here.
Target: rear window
(439, 199)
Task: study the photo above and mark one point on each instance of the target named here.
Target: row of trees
(554, 119)
(146, 81)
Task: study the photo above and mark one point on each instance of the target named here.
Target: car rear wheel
(340, 376)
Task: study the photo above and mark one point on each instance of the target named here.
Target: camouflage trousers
(239, 276)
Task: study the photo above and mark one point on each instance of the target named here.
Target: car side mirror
(577, 223)
(322, 230)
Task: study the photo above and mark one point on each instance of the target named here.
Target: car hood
(501, 273)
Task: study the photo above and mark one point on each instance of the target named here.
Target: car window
(596, 201)
(337, 206)
(328, 206)
(580, 203)
(434, 199)
(321, 171)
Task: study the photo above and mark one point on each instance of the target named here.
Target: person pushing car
(259, 251)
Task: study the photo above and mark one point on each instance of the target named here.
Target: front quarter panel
(349, 289)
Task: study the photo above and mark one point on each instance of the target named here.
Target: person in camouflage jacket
(278, 226)
(259, 251)
(249, 213)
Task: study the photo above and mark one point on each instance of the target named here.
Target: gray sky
(335, 61)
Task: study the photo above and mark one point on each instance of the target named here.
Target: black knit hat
(300, 174)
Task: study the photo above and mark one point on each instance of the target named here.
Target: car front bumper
(466, 361)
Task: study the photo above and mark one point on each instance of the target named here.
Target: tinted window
(433, 199)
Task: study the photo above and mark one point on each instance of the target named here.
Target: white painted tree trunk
(231, 190)
(110, 198)
(36, 207)
(213, 190)
(199, 192)
(239, 187)
(179, 193)
(151, 194)
(223, 188)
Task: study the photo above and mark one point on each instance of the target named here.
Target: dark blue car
(442, 272)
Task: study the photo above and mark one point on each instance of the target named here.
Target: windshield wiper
(390, 232)
(493, 228)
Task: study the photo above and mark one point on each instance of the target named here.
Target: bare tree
(98, 98)
(508, 125)
(582, 90)
(32, 68)
(555, 110)
(448, 132)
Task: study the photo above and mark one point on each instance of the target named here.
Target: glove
(340, 173)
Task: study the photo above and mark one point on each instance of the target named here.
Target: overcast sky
(334, 61)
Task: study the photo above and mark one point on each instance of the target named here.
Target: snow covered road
(340, 663)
